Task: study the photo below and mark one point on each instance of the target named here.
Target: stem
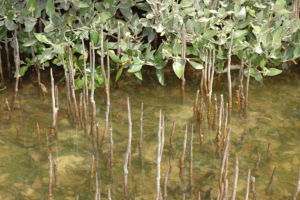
(92, 170)
(247, 84)
(69, 108)
(107, 92)
(97, 190)
(225, 124)
(7, 56)
(50, 176)
(183, 148)
(118, 45)
(201, 82)
(212, 74)
(17, 64)
(141, 126)
(111, 147)
(18, 131)
(158, 158)
(172, 134)
(80, 108)
(54, 108)
(92, 92)
(220, 123)
(224, 157)
(196, 104)
(205, 72)
(228, 71)
(8, 108)
(208, 73)
(1, 71)
(85, 75)
(72, 81)
(108, 194)
(236, 174)
(55, 173)
(165, 185)
(183, 49)
(127, 150)
(216, 112)
(297, 189)
(272, 177)
(248, 183)
(191, 157)
(253, 187)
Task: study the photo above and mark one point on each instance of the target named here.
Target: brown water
(273, 117)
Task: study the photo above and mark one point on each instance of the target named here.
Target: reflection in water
(267, 138)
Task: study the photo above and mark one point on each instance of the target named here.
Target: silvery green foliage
(265, 31)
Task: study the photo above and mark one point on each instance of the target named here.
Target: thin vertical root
(172, 134)
(183, 148)
(141, 126)
(297, 189)
(8, 108)
(248, 183)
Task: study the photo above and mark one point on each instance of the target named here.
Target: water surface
(273, 117)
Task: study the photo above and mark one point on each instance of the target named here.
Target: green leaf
(242, 14)
(239, 33)
(10, 25)
(149, 55)
(277, 37)
(161, 76)
(79, 83)
(50, 10)
(267, 39)
(23, 70)
(209, 34)
(29, 25)
(119, 73)
(30, 43)
(94, 37)
(273, 72)
(25, 12)
(42, 38)
(123, 45)
(114, 57)
(49, 28)
(151, 36)
(58, 49)
(196, 65)
(10, 14)
(287, 55)
(254, 73)
(138, 75)
(109, 2)
(178, 67)
(240, 55)
(237, 8)
(46, 55)
(297, 52)
(186, 3)
(80, 4)
(283, 12)
(176, 48)
(252, 13)
(135, 67)
(191, 51)
(161, 64)
(32, 5)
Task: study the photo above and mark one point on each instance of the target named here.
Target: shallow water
(273, 117)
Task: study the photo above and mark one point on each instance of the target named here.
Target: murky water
(273, 118)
